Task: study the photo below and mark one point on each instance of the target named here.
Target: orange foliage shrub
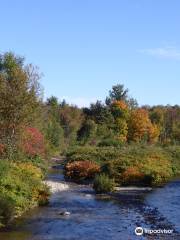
(132, 175)
(80, 170)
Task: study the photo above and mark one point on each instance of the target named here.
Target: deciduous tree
(140, 127)
(19, 97)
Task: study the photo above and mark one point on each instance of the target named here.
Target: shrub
(135, 161)
(155, 163)
(132, 175)
(43, 195)
(174, 152)
(33, 142)
(103, 184)
(6, 210)
(95, 154)
(38, 162)
(110, 142)
(158, 168)
(80, 170)
(22, 188)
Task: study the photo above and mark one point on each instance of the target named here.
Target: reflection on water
(99, 217)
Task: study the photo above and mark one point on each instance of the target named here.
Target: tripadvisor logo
(139, 231)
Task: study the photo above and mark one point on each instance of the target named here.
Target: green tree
(20, 97)
(117, 93)
(52, 101)
(54, 133)
(98, 112)
(71, 118)
(88, 131)
(120, 112)
(53, 130)
(52, 106)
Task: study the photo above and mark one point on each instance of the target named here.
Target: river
(99, 217)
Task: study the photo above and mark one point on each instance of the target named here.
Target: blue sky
(83, 47)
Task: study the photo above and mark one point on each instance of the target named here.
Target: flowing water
(99, 217)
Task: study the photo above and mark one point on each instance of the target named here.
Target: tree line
(118, 120)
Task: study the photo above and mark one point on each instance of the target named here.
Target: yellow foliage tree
(140, 127)
(120, 112)
(153, 133)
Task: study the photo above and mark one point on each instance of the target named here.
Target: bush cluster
(80, 170)
(90, 153)
(140, 165)
(110, 142)
(130, 164)
(20, 189)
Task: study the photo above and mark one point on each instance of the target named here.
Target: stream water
(99, 217)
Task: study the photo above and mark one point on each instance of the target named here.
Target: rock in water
(64, 213)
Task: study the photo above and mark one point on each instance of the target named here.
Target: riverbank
(129, 164)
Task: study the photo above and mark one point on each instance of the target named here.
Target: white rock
(88, 195)
(66, 213)
(56, 186)
(133, 188)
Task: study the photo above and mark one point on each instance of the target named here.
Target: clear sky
(83, 47)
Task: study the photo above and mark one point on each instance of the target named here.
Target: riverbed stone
(64, 213)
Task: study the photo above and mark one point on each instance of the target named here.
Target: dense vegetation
(20, 189)
(138, 164)
(115, 142)
(132, 145)
(23, 145)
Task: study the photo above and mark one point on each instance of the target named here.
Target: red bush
(82, 170)
(33, 142)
